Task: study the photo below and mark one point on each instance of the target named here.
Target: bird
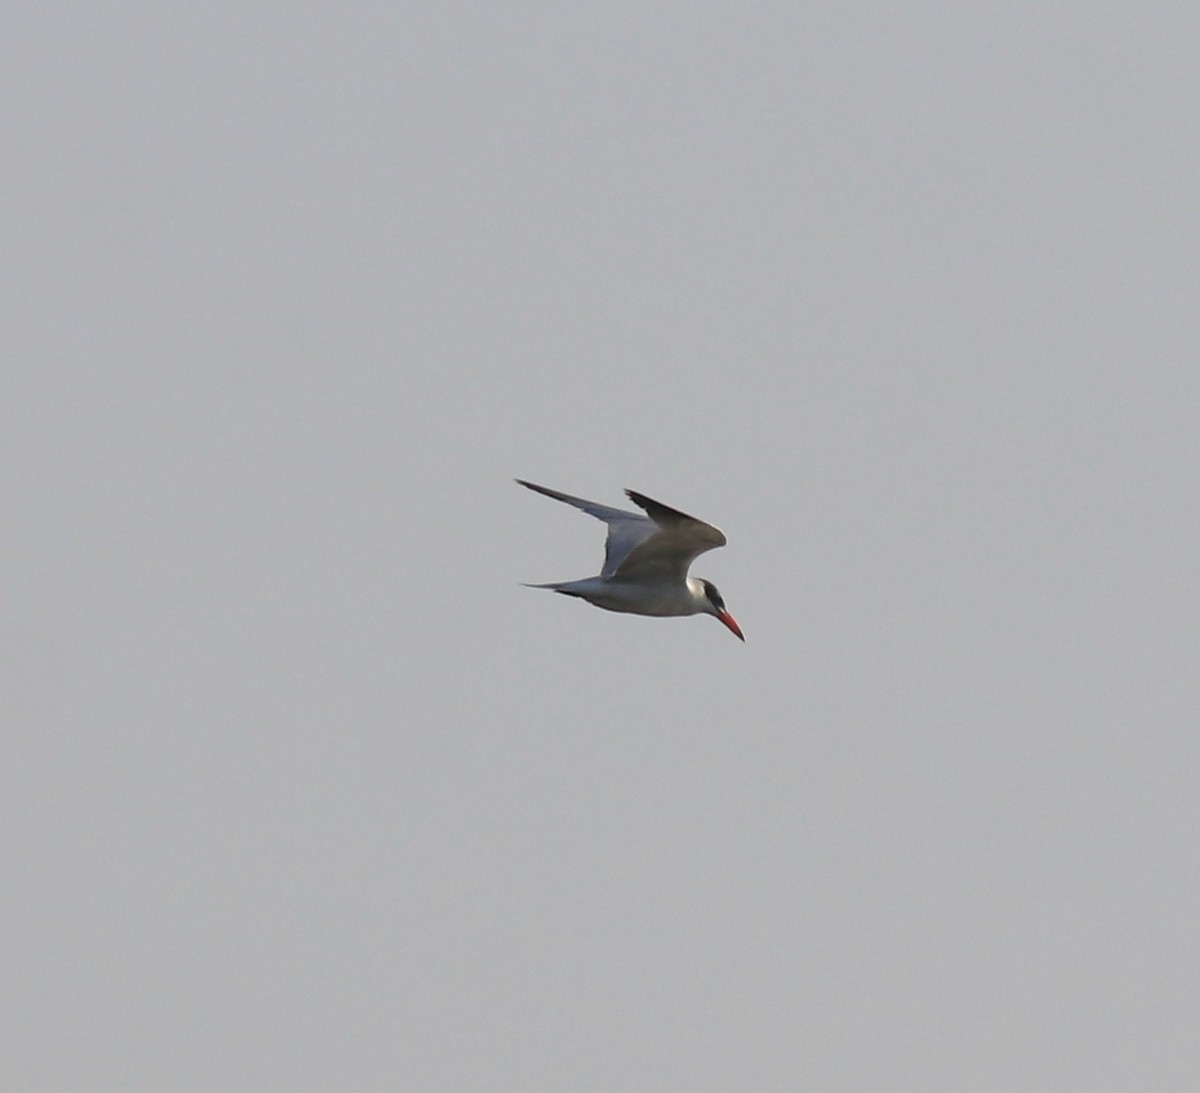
(646, 561)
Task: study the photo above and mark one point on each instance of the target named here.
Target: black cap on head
(714, 597)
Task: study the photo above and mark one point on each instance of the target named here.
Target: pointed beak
(731, 622)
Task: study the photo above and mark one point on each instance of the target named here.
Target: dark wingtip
(656, 509)
(647, 503)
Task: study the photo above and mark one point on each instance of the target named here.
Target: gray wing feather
(680, 539)
(626, 530)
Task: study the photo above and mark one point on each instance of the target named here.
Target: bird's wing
(676, 543)
(626, 530)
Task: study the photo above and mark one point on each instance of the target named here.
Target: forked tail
(565, 587)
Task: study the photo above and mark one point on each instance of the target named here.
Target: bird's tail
(565, 587)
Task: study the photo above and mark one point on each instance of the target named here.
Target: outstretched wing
(677, 542)
(626, 530)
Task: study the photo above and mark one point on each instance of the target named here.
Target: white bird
(646, 560)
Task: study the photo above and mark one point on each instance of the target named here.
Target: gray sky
(302, 791)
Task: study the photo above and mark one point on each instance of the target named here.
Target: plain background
(302, 791)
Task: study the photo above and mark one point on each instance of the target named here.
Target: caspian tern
(646, 560)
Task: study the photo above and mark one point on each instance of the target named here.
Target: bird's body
(635, 598)
(646, 560)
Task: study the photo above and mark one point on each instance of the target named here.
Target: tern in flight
(646, 560)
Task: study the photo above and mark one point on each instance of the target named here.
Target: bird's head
(715, 605)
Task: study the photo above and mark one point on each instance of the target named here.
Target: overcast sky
(302, 791)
